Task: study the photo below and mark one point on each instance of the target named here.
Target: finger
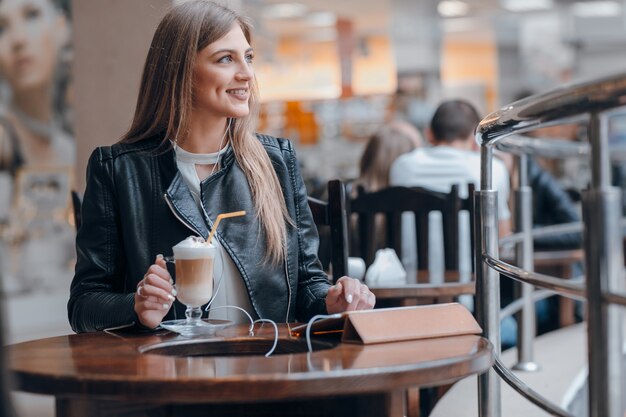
(149, 289)
(160, 271)
(146, 305)
(350, 289)
(364, 300)
(141, 292)
(157, 281)
(371, 300)
(367, 297)
(334, 292)
(354, 304)
(160, 261)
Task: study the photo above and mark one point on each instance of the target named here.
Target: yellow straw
(219, 218)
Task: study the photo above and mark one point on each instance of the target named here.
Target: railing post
(605, 273)
(526, 327)
(487, 283)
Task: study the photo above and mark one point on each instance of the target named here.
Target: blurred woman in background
(35, 140)
(34, 61)
(382, 149)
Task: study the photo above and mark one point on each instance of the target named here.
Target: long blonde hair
(165, 104)
(381, 151)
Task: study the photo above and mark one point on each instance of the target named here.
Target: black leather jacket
(136, 205)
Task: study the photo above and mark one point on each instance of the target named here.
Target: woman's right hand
(155, 294)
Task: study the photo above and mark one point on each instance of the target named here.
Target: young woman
(189, 155)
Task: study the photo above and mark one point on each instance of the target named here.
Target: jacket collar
(179, 197)
(184, 206)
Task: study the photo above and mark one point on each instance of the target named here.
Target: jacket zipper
(180, 219)
(288, 289)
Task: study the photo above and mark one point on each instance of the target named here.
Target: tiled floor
(562, 356)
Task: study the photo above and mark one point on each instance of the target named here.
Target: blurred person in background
(453, 159)
(382, 149)
(551, 205)
(37, 151)
(34, 65)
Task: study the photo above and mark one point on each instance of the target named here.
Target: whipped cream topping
(193, 247)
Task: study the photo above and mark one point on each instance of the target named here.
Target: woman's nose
(245, 72)
(17, 36)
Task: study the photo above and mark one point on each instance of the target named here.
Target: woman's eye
(249, 58)
(32, 13)
(225, 59)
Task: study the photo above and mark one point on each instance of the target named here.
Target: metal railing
(602, 206)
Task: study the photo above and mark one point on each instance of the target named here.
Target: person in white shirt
(452, 159)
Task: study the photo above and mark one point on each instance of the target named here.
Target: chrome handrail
(518, 144)
(564, 287)
(515, 306)
(545, 231)
(588, 101)
(565, 104)
(545, 147)
(525, 391)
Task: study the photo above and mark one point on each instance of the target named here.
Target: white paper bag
(386, 270)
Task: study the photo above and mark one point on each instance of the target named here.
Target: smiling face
(31, 33)
(223, 76)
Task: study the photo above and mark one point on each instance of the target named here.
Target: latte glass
(194, 278)
(194, 282)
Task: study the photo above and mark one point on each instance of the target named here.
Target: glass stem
(193, 313)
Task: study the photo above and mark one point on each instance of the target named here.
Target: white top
(232, 290)
(438, 168)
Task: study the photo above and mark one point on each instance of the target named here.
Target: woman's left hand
(349, 294)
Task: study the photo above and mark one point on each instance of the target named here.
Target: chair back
(332, 214)
(77, 202)
(390, 203)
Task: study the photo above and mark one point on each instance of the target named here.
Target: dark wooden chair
(390, 204)
(332, 214)
(77, 202)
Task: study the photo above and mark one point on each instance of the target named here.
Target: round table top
(112, 366)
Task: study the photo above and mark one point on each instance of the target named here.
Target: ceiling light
(526, 5)
(596, 9)
(452, 8)
(321, 19)
(284, 11)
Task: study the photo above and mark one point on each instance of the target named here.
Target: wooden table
(424, 292)
(99, 374)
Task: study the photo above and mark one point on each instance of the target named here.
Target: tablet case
(397, 324)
